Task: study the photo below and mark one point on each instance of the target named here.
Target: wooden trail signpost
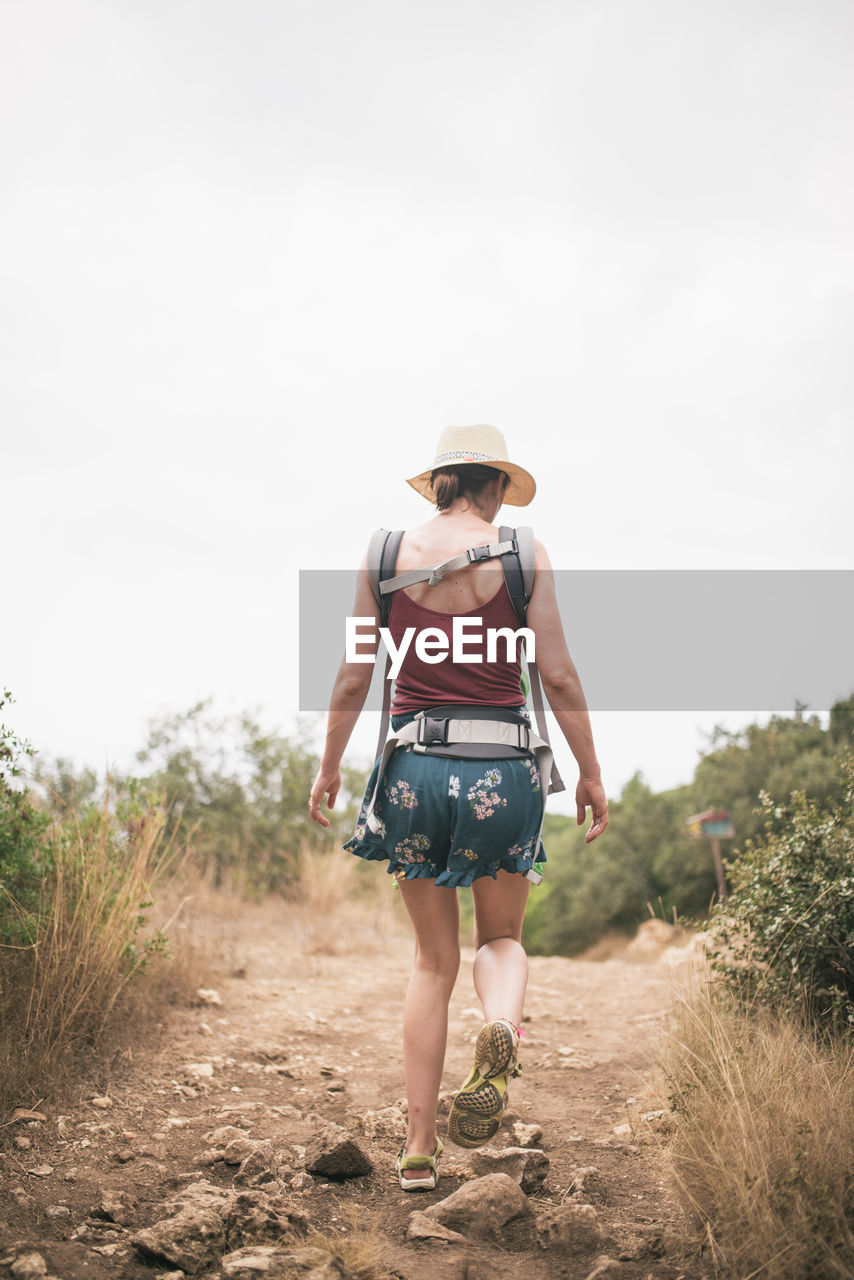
(716, 825)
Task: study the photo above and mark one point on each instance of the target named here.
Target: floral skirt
(451, 819)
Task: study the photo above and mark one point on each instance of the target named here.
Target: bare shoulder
(541, 560)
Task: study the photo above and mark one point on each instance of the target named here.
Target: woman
(442, 822)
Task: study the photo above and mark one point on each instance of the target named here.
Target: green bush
(787, 932)
(22, 828)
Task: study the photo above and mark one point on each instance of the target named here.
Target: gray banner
(653, 640)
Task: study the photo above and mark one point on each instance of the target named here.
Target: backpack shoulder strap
(519, 574)
(382, 558)
(514, 572)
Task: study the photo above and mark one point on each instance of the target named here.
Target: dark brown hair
(468, 479)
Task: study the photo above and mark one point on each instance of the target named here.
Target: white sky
(256, 255)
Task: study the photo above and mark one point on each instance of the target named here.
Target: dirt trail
(302, 1037)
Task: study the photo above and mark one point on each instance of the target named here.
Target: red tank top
(426, 684)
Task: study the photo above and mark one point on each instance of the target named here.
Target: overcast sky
(256, 255)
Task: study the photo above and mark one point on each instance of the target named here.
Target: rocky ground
(254, 1134)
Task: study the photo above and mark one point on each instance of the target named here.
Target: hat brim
(519, 492)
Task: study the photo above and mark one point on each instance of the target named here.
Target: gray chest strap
(469, 739)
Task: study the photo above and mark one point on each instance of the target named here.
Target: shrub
(761, 1140)
(22, 827)
(787, 932)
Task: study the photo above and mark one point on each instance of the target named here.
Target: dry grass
(763, 1146)
(338, 905)
(359, 1246)
(78, 977)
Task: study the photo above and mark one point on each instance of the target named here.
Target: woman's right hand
(590, 792)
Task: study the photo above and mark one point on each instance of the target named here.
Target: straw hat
(483, 444)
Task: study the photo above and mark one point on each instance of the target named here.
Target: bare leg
(500, 965)
(434, 912)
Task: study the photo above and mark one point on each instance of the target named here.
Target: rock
(202, 1195)
(207, 995)
(389, 1122)
(256, 1217)
(622, 1130)
(528, 1167)
(526, 1135)
(577, 1059)
(41, 1171)
(283, 1264)
(22, 1143)
(103, 1103)
(586, 1178)
(222, 1136)
(573, 1227)
(199, 1070)
(260, 1167)
(301, 1182)
(169, 1275)
(605, 1268)
(57, 1211)
(191, 1240)
(236, 1151)
(423, 1227)
(333, 1153)
(29, 1267)
(114, 1207)
(482, 1207)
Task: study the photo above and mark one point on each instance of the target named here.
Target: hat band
(466, 454)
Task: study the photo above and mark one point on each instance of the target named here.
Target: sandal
(430, 1164)
(476, 1111)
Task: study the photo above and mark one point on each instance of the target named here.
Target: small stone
(526, 1135)
(41, 1171)
(335, 1154)
(622, 1130)
(301, 1182)
(586, 1178)
(29, 1267)
(255, 1217)
(199, 1070)
(58, 1211)
(577, 1059)
(527, 1166)
(124, 1155)
(570, 1226)
(22, 1143)
(169, 1275)
(483, 1207)
(236, 1151)
(423, 1227)
(387, 1123)
(114, 1207)
(103, 1103)
(276, 1263)
(207, 995)
(192, 1239)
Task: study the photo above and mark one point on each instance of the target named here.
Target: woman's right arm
(566, 697)
(348, 697)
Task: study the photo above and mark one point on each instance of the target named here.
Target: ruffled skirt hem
(515, 863)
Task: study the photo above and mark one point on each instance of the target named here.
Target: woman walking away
(457, 795)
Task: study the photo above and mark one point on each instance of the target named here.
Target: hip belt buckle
(432, 731)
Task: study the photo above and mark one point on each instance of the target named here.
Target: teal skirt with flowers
(451, 819)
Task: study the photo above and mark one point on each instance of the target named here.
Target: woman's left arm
(348, 697)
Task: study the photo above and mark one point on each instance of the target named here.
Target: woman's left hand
(324, 784)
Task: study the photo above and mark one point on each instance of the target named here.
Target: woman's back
(440, 538)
